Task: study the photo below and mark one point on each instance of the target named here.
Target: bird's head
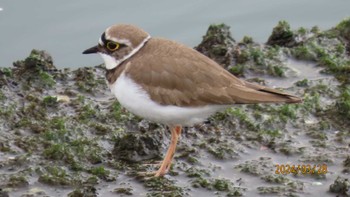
(118, 43)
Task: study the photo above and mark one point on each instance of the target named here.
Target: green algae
(55, 176)
(343, 104)
(123, 190)
(36, 70)
(287, 112)
(99, 171)
(222, 150)
(257, 55)
(87, 113)
(57, 152)
(266, 61)
(6, 72)
(242, 117)
(327, 51)
(304, 53)
(87, 81)
(102, 173)
(302, 83)
(195, 172)
(201, 179)
(287, 190)
(200, 182)
(344, 29)
(46, 79)
(17, 181)
(217, 44)
(81, 144)
(50, 101)
(237, 70)
(87, 191)
(243, 56)
(282, 35)
(256, 167)
(162, 187)
(119, 114)
(2, 96)
(247, 40)
(279, 179)
(135, 147)
(221, 185)
(340, 186)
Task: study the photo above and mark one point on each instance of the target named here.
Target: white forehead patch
(122, 41)
(118, 40)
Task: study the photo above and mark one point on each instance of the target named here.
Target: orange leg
(175, 133)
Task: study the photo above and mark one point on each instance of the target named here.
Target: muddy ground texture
(63, 134)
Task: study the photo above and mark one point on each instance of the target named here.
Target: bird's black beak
(93, 49)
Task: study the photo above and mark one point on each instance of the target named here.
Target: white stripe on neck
(111, 62)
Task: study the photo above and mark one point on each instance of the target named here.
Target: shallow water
(299, 70)
(66, 28)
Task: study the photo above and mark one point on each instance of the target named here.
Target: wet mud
(62, 133)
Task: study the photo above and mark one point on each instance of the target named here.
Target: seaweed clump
(218, 44)
(282, 35)
(36, 69)
(344, 31)
(134, 147)
(238, 58)
(340, 186)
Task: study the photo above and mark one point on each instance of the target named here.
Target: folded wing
(180, 76)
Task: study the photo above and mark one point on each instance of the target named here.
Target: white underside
(136, 100)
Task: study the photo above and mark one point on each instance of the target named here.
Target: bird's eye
(112, 46)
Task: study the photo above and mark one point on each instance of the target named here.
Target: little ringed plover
(169, 83)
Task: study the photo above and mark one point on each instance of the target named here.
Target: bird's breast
(137, 101)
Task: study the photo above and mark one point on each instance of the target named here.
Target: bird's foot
(160, 172)
(143, 173)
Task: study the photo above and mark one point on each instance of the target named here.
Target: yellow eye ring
(112, 46)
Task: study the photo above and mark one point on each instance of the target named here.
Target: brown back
(174, 74)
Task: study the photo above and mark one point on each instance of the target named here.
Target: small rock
(135, 147)
(17, 181)
(38, 60)
(34, 192)
(317, 183)
(123, 190)
(63, 98)
(346, 162)
(282, 35)
(88, 191)
(36, 70)
(218, 44)
(3, 193)
(340, 186)
(344, 30)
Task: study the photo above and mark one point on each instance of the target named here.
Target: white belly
(136, 100)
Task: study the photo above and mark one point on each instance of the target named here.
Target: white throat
(112, 63)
